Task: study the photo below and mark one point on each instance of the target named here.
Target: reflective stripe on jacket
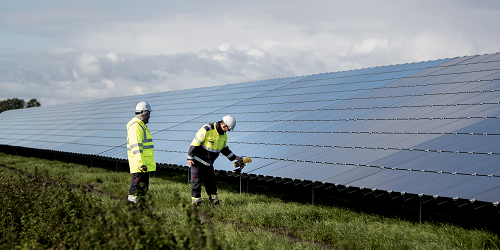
(208, 143)
(140, 149)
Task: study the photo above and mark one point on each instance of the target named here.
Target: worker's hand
(243, 165)
(190, 162)
(144, 168)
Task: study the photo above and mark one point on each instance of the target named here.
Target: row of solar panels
(429, 129)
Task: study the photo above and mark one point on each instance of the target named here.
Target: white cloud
(113, 56)
(101, 49)
(88, 64)
(440, 44)
(224, 47)
(109, 84)
(369, 45)
(257, 53)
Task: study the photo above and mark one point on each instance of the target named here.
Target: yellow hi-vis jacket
(209, 141)
(139, 146)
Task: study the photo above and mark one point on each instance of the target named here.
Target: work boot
(196, 201)
(214, 200)
(132, 199)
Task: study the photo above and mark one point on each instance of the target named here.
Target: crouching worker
(140, 153)
(209, 141)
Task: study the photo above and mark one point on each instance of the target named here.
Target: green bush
(38, 215)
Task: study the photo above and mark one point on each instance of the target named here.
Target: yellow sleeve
(199, 137)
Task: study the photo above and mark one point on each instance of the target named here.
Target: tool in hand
(242, 163)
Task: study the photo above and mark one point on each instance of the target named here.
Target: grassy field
(264, 219)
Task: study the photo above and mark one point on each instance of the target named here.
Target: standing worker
(205, 148)
(140, 153)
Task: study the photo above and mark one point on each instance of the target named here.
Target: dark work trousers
(200, 172)
(140, 184)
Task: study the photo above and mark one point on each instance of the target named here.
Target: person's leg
(195, 184)
(139, 186)
(144, 183)
(134, 187)
(210, 186)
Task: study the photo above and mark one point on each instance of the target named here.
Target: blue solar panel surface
(429, 128)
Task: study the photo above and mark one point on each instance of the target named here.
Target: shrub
(37, 215)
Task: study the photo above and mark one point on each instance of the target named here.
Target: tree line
(16, 103)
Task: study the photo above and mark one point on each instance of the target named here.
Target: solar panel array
(430, 129)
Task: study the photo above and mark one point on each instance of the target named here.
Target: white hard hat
(229, 121)
(142, 106)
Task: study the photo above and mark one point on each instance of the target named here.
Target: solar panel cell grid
(378, 178)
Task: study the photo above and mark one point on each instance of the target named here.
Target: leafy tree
(13, 103)
(16, 103)
(33, 103)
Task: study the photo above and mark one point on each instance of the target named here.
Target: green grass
(268, 219)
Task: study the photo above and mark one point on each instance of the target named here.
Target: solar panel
(429, 129)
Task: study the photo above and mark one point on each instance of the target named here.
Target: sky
(65, 51)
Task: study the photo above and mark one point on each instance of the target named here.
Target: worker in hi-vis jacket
(209, 141)
(140, 152)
